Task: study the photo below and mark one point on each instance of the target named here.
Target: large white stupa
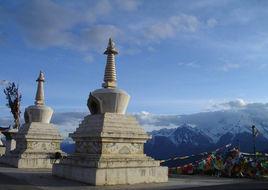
(109, 145)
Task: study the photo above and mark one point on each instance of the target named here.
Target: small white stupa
(37, 140)
(109, 144)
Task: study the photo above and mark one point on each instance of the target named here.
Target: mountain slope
(181, 141)
(186, 141)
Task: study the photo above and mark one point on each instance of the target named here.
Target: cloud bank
(239, 117)
(80, 25)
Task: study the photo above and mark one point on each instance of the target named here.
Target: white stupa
(37, 140)
(109, 145)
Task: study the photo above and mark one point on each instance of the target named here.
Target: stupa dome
(39, 112)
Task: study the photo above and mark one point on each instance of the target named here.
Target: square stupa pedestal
(36, 144)
(109, 151)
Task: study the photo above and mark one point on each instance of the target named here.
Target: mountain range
(207, 131)
(174, 135)
(186, 140)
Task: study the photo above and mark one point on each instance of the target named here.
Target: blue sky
(174, 56)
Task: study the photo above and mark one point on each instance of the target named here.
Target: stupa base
(33, 161)
(111, 176)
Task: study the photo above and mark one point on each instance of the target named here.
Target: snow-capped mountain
(193, 133)
(214, 123)
(186, 140)
(183, 140)
(185, 134)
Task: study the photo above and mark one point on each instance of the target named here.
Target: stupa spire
(40, 97)
(110, 70)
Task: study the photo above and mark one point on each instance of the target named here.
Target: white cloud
(67, 122)
(234, 104)
(146, 116)
(238, 103)
(212, 22)
(49, 24)
(188, 64)
(152, 127)
(169, 28)
(45, 23)
(145, 113)
(230, 66)
(95, 37)
(86, 26)
(160, 30)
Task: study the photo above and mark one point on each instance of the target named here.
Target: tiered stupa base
(109, 151)
(112, 176)
(36, 145)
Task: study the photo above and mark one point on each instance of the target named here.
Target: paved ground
(21, 179)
